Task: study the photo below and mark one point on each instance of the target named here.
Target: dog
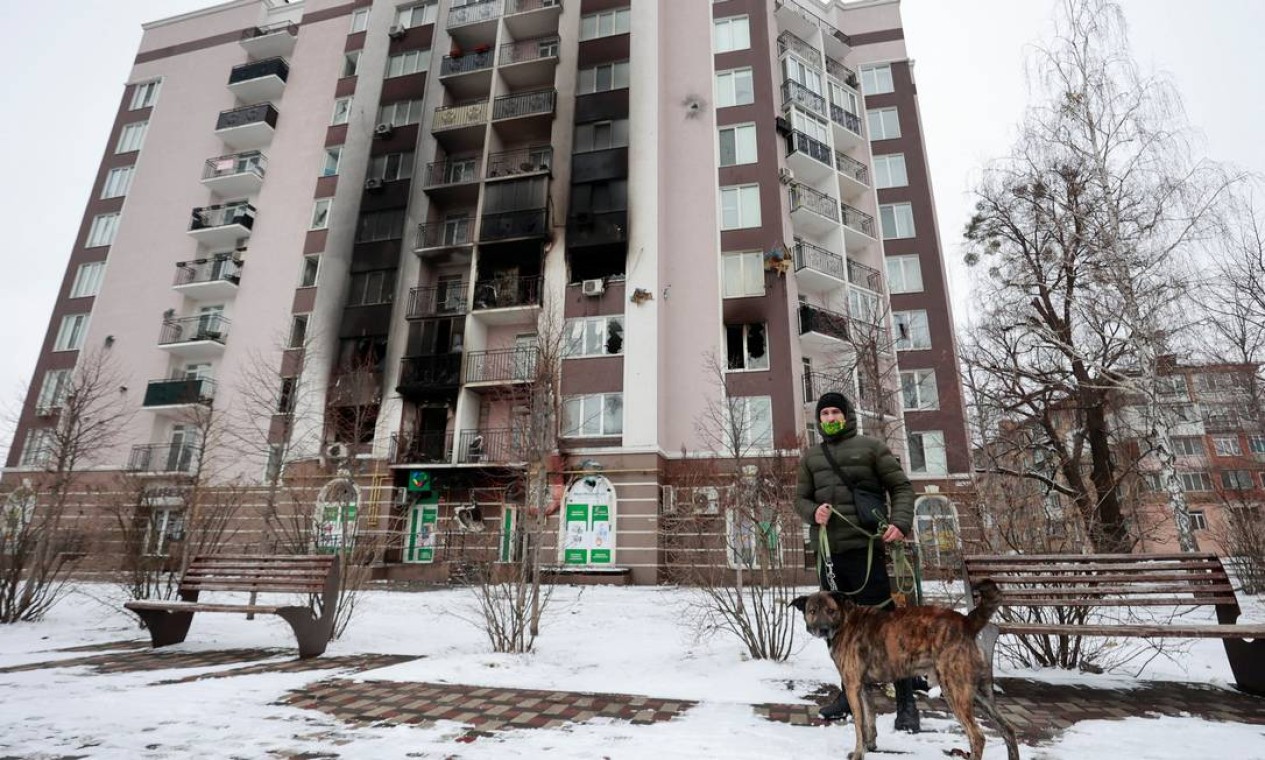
(871, 645)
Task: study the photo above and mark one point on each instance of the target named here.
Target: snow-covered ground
(599, 639)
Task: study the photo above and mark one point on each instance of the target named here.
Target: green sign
(418, 480)
(421, 538)
(587, 535)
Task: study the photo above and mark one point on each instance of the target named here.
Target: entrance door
(588, 523)
(182, 448)
(525, 356)
(209, 318)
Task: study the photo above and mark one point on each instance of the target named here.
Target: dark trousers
(850, 575)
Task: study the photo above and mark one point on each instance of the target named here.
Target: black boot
(836, 710)
(906, 707)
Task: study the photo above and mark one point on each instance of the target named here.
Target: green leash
(898, 557)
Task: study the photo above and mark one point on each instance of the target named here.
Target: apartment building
(355, 233)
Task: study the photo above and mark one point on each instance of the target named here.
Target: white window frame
(890, 171)
(752, 414)
(813, 126)
(577, 410)
(863, 305)
(912, 330)
(877, 79)
(132, 137)
(316, 270)
(745, 270)
(904, 274)
(37, 449)
(351, 62)
(53, 390)
(408, 62)
(585, 333)
(898, 218)
(883, 123)
(298, 335)
(1256, 444)
(1244, 483)
(925, 394)
(117, 182)
(71, 332)
(731, 33)
(1198, 519)
(609, 23)
(88, 279)
(332, 158)
(359, 20)
(746, 205)
(389, 167)
(164, 522)
(1188, 446)
(342, 111)
(587, 79)
(728, 90)
(102, 230)
(744, 144)
(586, 137)
(405, 16)
(321, 209)
(1196, 481)
(389, 113)
(929, 445)
(749, 363)
(1227, 446)
(145, 94)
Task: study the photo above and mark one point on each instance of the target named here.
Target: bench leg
(986, 640)
(166, 627)
(312, 633)
(1247, 662)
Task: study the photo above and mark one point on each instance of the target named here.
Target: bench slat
(982, 571)
(1004, 580)
(1035, 558)
(265, 557)
(287, 577)
(1018, 601)
(1123, 590)
(200, 607)
(1166, 631)
(256, 587)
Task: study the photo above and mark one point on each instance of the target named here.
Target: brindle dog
(876, 646)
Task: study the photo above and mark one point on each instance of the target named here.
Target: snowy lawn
(598, 639)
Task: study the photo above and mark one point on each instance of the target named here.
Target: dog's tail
(989, 601)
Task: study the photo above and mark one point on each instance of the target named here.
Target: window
(412, 62)
(608, 76)
(739, 207)
(1227, 446)
(392, 166)
(1172, 385)
(53, 391)
(1195, 481)
(275, 465)
(594, 336)
(750, 542)
(737, 145)
(88, 280)
(876, 80)
(593, 415)
(380, 225)
(752, 421)
(746, 347)
(342, 111)
(605, 24)
(884, 124)
(298, 331)
(918, 389)
(926, 453)
(863, 306)
(912, 330)
(1198, 520)
(117, 181)
(810, 125)
(1237, 480)
(797, 71)
(38, 449)
(400, 113)
(132, 137)
(329, 166)
(145, 95)
(70, 335)
(311, 268)
(733, 33)
(320, 214)
(734, 88)
(416, 15)
(285, 397)
(600, 135)
(165, 524)
(1184, 413)
(897, 219)
(889, 171)
(359, 20)
(370, 288)
(744, 274)
(1218, 382)
(351, 63)
(102, 230)
(904, 274)
(1256, 444)
(1188, 446)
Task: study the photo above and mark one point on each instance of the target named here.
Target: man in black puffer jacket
(860, 573)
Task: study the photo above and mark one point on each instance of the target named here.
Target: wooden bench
(168, 621)
(1095, 581)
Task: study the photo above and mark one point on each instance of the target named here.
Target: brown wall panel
(617, 47)
(598, 374)
(410, 87)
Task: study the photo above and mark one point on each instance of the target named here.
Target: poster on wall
(422, 520)
(588, 535)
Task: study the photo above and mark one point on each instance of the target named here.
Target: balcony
(197, 337)
(794, 93)
(164, 458)
(865, 277)
(504, 366)
(248, 127)
(527, 116)
(443, 236)
(492, 446)
(178, 396)
(259, 81)
(453, 65)
(270, 41)
(467, 76)
(430, 377)
(816, 269)
(842, 73)
(421, 448)
(507, 300)
(809, 158)
(821, 329)
(514, 225)
(532, 18)
(475, 23)
(854, 176)
(520, 163)
(454, 182)
(846, 126)
(787, 42)
(235, 175)
(222, 226)
(460, 127)
(805, 23)
(529, 63)
(210, 279)
(858, 228)
(437, 302)
(813, 212)
(585, 228)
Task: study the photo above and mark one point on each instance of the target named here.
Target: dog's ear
(799, 602)
(843, 600)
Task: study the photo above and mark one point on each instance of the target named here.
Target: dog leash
(898, 558)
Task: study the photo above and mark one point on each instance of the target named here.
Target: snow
(600, 639)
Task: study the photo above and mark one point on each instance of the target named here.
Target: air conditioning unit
(374, 185)
(785, 176)
(593, 287)
(383, 130)
(397, 32)
(337, 451)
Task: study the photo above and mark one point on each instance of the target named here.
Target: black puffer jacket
(867, 461)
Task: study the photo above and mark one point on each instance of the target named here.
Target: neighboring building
(370, 224)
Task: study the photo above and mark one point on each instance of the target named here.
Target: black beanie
(832, 398)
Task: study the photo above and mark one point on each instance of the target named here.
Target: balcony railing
(809, 256)
(504, 365)
(458, 116)
(474, 13)
(222, 216)
(453, 232)
(164, 457)
(464, 64)
(788, 41)
(451, 172)
(281, 27)
(524, 104)
(204, 327)
(258, 69)
(853, 168)
(813, 19)
(811, 147)
(240, 117)
(842, 73)
(434, 371)
(795, 93)
(420, 448)
(845, 119)
(858, 220)
(522, 6)
(865, 276)
(505, 292)
(489, 446)
(514, 224)
(438, 301)
(528, 50)
(197, 271)
(815, 319)
(805, 197)
(250, 162)
(176, 391)
(521, 161)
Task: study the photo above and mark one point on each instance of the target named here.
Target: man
(859, 572)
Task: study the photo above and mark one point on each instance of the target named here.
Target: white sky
(67, 70)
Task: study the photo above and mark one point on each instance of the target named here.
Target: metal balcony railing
(845, 119)
(522, 6)
(506, 292)
(198, 271)
(464, 64)
(524, 104)
(817, 383)
(164, 457)
(797, 94)
(454, 171)
(474, 13)
(494, 446)
(842, 73)
(812, 18)
(434, 371)
(249, 162)
(789, 41)
(281, 27)
(815, 319)
(461, 115)
(502, 365)
(506, 225)
(528, 50)
(809, 256)
(858, 220)
(853, 168)
(421, 448)
(258, 69)
(805, 197)
(180, 390)
(521, 161)
(437, 301)
(865, 276)
(810, 146)
(240, 117)
(453, 232)
(204, 327)
(222, 216)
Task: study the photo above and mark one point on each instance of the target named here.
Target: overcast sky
(67, 70)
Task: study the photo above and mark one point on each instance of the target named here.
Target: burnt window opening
(746, 347)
